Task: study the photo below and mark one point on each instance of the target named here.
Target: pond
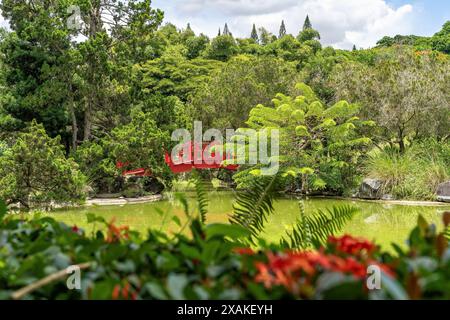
(384, 223)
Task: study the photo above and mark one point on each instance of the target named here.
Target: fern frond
(314, 230)
(253, 206)
(202, 199)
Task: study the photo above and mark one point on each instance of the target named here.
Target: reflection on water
(376, 221)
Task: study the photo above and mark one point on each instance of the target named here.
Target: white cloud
(341, 23)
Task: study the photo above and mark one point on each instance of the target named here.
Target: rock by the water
(443, 192)
(371, 189)
(388, 197)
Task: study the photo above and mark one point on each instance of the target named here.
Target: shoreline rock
(371, 189)
(443, 192)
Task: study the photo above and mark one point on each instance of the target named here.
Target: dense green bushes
(35, 171)
(139, 144)
(414, 174)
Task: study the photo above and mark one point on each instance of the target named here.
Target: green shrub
(414, 174)
(35, 172)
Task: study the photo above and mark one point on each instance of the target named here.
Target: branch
(19, 294)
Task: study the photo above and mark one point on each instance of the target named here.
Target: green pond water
(383, 223)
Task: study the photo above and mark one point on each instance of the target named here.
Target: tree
(172, 74)
(226, 31)
(405, 92)
(265, 37)
(308, 35)
(254, 34)
(354, 48)
(91, 74)
(142, 144)
(307, 24)
(441, 40)
(319, 144)
(225, 100)
(36, 173)
(222, 48)
(36, 66)
(187, 34)
(196, 46)
(138, 144)
(282, 32)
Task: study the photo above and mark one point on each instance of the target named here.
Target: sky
(342, 23)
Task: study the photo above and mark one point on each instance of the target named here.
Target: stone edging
(122, 201)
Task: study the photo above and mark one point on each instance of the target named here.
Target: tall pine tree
(307, 24)
(254, 34)
(282, 32)
(220, 33)
(226, 31)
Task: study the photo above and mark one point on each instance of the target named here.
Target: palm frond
(314, 230)
(253, 206)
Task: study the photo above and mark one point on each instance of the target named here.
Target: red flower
(115, 234)
(116, 292)
(296, 269)
(350, 245)
(75, 229)
(244, 251)
(125, 290)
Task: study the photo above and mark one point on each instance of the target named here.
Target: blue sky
(342, 23)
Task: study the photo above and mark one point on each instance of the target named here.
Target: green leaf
(92, 218)
(177, 220)
(302, 131)
(226, 230)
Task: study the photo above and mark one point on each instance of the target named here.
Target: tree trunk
(401, 141)
(87, 121)
(74, 127)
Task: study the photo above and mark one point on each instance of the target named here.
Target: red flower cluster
(296, 270)
(350, 245)
(125, 292)
(115, 233)
(244, 251)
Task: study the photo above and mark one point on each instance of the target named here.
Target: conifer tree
(254, 34)
(307, 24)
(282, 30)
(226, 31)
(188, 28)
(354, 48)
(220, 33)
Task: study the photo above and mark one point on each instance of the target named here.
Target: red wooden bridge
(208, 161)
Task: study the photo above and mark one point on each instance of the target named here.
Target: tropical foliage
(214, 262)
(319, 145)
